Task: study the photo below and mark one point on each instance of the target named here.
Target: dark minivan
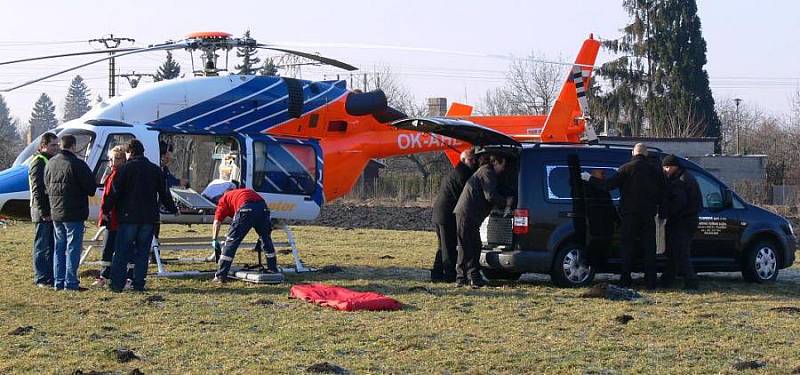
(561, 222)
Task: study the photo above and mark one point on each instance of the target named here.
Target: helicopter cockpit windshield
(84, 139)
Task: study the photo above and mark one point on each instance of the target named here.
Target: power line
(111, 43)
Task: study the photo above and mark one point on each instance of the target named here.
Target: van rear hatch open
(497, 230)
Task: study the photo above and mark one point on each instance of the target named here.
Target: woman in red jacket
(117, 157)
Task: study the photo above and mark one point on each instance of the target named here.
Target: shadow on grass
(230, 288)
(399, 281)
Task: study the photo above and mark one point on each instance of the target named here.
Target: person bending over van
(641, 187)
(474, 205)
(444, 263)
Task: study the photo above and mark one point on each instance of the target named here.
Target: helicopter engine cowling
(372, 103)
(367, 103)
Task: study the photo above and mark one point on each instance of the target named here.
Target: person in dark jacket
(683, 203)
(602, 217)
(117, 157)
(444, 263)
(641, 186)
(69, 183)
(43, 241)
(475, 203)
(135, 193)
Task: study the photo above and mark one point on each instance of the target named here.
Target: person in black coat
(475, 203)
(602, 217)
(136, 192)
(444, 263)
(43, 241)
(683, 203)
(69, 183)
(641, 186)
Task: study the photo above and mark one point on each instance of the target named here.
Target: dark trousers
(43, 243)
(253, 215)
(132, 244)
(679, 239)
(108, 253)
(444, 264)
(639, 235)
(469, 250)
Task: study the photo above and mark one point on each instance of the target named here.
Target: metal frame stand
(198, 243)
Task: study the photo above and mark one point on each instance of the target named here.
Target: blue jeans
(67, 255)
(43, 243)
(133, 243)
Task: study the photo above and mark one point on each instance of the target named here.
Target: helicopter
(298, 143)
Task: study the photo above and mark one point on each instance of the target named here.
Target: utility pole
(111, 43)
(738, 130)
(134, 78)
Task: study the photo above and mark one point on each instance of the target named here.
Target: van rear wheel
(498, 274)
(761, 263)
(571, 267)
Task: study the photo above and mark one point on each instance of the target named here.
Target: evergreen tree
(250, 62)
(43, 117)
(659, 82)
(268, 68)
(77, 100)
(168, 70)
(11, 143)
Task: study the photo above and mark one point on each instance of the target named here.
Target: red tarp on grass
(342, 298)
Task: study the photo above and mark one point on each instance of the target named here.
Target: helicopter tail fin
(566, 121)
(458, 109)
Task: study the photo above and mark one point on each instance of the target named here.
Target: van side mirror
(715, 201)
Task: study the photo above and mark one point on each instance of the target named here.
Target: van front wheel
(761, 263)
(571, 267)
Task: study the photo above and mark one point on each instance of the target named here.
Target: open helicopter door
(287, 172)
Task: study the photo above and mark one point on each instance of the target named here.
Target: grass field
(526, 327)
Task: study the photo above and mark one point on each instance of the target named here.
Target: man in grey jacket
(40, 211)
(69, 183)
(475, 203)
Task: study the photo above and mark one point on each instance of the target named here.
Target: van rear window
(558, 184)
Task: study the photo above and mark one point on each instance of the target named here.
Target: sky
(752, 46)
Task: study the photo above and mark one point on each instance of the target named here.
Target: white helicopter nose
(14, 195)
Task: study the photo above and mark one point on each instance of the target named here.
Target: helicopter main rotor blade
(68, 55)
(311, 56)
(497, 56)
(159, 47)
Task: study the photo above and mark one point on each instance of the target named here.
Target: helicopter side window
(104, 165)
(84, 140)
(284, 168)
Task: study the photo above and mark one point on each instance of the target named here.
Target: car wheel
(571, 267)
(761, 263)
(498, 274)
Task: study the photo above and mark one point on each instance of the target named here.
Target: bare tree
(531, 87)
(680, 125)
(496, 102)
(736, 125)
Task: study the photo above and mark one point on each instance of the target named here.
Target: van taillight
(521, 221)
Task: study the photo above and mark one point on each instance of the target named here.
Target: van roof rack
(604, 145)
